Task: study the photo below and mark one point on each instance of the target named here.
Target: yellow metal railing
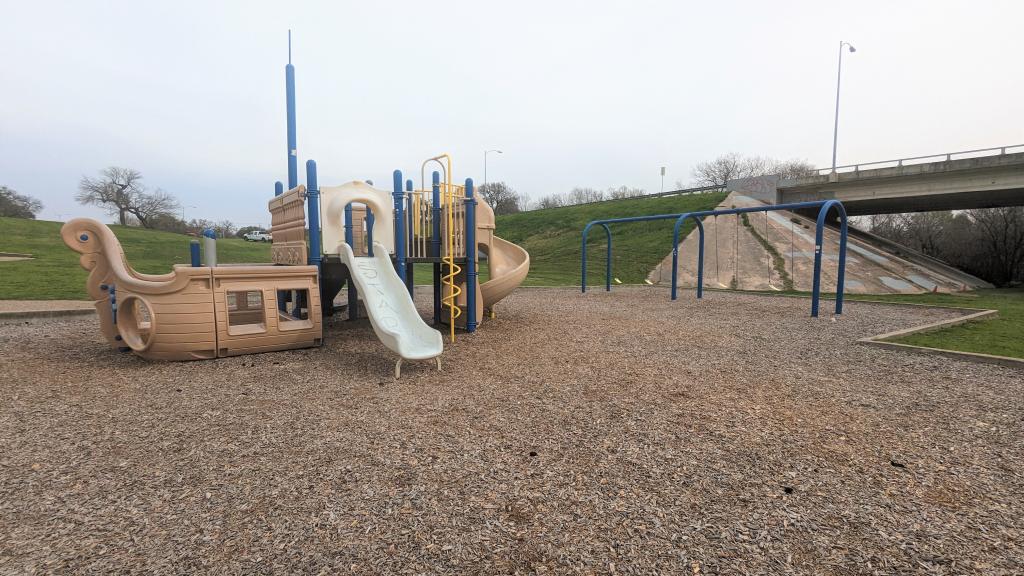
(450, 290)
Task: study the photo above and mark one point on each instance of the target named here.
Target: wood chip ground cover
(597, 433)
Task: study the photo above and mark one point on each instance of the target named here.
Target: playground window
(293, 310)
(245, 312)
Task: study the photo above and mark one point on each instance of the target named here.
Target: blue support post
(313, 206)
(353, 297)
(193, 249)
(410, 234)
(435, 240)
(608, 257)
(700, 254)
(369, 231)
(608, 260)
(819, 237)
(293, 154)
(471, 274)
(399, 198)
(282, 295)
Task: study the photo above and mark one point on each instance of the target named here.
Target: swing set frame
(824, 208)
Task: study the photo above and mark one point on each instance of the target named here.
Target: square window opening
(245, 312)
(293, 309)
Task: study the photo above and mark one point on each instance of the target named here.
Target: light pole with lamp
(839, 78)
(183, 221)
(486, 152)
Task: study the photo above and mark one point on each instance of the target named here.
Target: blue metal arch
(608, 257)
(819, 235)
(700, 253)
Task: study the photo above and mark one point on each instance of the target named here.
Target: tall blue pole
(435, 240)
(410, 234)
(293, 154)
(369, 218)
(353, 298)
(470, 257)
(399, 198)
(313, 205)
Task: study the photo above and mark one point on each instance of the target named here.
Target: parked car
(259, 236)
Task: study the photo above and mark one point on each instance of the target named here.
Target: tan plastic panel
(180, 316)
(333, 200)
(288, 227)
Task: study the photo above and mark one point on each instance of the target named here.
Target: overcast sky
(589, 93)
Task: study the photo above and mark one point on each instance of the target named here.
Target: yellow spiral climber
(450, 296)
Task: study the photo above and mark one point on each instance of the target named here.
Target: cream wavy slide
(509, 264)
(392, 313)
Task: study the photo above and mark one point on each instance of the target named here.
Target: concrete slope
(735, 257)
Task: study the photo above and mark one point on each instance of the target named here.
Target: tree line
(988, 243)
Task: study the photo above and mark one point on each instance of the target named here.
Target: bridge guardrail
(896, 162)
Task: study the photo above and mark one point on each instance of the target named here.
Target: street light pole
(486, 152)
(183, 214)
(839, 79)
(663, 179)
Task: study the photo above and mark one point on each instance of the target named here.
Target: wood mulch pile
(597, 433)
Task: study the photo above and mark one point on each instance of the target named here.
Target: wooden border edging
(881, 341)
(18, 315)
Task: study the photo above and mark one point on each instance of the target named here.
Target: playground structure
(824, 208)
(368, 241)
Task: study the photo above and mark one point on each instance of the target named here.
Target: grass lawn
(55, 273)
(1003, 336)
(553, 237)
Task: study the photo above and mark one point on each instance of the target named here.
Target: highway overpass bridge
(986, 178)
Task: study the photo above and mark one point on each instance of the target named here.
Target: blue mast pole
(470, 257)
(293, 157)
(399, 197)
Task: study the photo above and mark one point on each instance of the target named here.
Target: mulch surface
(597, 433)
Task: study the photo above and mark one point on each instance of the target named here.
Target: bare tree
(114, 191)
(624, 192)
(120, 192)
(1001, 231)
(719, 171)
(14, 205)
(148, 206)
(582, 195)
(550, 201)
(792, 168)
(988, 243)
(732, 166)
(502, 198)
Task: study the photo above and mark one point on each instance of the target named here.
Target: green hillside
(55, 274)
(553, 237)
